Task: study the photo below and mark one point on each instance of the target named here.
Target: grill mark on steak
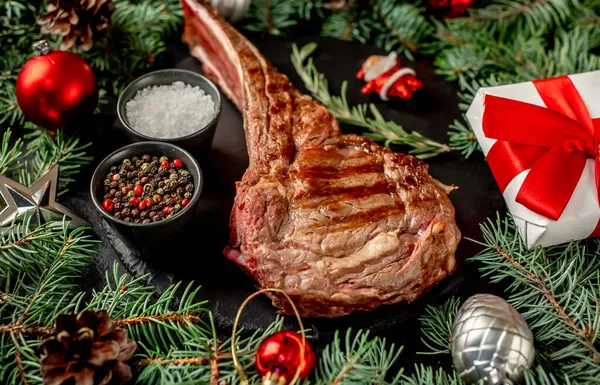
(318, 190)
(338, 222)
(358, 220)
(332, 172)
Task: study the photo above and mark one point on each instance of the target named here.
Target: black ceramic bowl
(200, 141)
(145, 237)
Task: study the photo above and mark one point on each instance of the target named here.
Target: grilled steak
(338, 222)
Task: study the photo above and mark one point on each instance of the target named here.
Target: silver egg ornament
(232, 10)
(491, 342)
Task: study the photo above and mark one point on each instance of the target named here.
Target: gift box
(542, 142)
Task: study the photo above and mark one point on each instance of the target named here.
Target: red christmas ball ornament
(278, 357)
(56, 88)
(451, 8)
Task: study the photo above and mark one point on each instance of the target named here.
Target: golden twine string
(236, 363)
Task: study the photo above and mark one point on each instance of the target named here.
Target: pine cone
(86, 349)
(80, 22)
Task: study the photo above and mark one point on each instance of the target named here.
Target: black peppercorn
(113, 169)
(146, 158)
(118, 194)
(145, 221)
(128, 219)
(141, 174)
(118, 206)
(143, 214)
(189, 187)
(138, 163)
(117, 215)
(135, 213)
(137, 220)
(154, 169)
(125, 212)
(180, 190)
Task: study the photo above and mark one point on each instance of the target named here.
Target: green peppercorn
(117, 215)
(173, 177)
(109, 175)
(183, 172)
(106, 182)
(163, 158)
(126, 162)
(130, 194)
(160, 191)
(146, 167)
(177, 207)
(187, 195)
(148, 187)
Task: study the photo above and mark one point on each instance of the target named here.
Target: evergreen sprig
(380, 129)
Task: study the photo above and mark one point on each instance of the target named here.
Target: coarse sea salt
(170, 111)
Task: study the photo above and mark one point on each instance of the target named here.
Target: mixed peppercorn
(147, 189)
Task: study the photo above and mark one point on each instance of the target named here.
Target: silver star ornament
(39, 201)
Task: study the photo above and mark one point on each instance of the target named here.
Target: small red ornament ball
(280, 353)
(55, 89)
(108, 205)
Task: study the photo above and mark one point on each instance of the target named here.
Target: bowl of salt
(171, 105)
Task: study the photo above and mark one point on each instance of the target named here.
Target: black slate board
(196, 254)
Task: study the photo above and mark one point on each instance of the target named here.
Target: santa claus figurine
(385, 75)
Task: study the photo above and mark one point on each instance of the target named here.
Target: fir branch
(47, 152)
(436, 326)
(402, 26)
(556, 289)
(356, 358)
(9, 153)
(381, 130)
(272, 17)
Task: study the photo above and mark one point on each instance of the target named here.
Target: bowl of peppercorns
(147, 191)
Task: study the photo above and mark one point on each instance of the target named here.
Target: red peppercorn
(177, 163)
(142, 205)
(185, 202)
(167, 209)
(149, 202)
(165, 163)
(108, 205)
(134, 201)
(138, 190)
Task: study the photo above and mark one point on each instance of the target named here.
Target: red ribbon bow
(554, 142)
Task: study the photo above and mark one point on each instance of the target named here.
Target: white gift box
(581, 215)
